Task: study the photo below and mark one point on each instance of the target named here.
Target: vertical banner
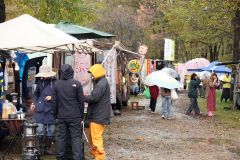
(154, 65)
(82, 64)
(143, 71)
(169, 50)
(142, 51)
(148, 66)
(110, 67)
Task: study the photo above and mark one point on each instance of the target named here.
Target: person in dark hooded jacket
(98, 111)
(68, 108)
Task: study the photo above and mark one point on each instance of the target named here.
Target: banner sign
(82, 64)
(143, 71)
(110, 66)
(134, 66)
(143, 51)
(148, 66)
(169, 50)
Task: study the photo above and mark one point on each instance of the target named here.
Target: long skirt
(211, 100)
(225, 93)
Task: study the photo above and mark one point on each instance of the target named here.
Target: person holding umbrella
(166, 103)
(193, 94)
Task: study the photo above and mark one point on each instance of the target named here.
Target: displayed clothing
(9, 78)
(35, 62)
(1, 87)
(21, 60)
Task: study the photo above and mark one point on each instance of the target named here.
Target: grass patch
(230, 117)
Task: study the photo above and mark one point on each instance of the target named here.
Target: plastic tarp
(82, 32)
(213, 68)
(28, 34)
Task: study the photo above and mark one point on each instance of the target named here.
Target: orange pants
(96, 140)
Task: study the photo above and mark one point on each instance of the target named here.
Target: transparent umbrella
(171, 72)
(161, 79)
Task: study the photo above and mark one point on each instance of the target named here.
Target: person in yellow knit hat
(226, 87)
(98, 111)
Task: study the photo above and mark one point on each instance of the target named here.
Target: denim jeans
(75, 128)
(193, 106)
(167, 106)
(135, 88)
(46, 130)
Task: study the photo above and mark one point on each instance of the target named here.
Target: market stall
(29, 35)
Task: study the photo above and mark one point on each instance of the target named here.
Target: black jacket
(68, 100)
(99, 102)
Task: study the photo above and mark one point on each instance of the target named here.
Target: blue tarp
(213, 68)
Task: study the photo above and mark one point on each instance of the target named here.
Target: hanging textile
(1, 87)
(21, 59)
(110, 66)
(82, 64)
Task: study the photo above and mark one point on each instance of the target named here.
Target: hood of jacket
(66, 72)
(97, 71)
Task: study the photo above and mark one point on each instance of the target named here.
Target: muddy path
(140, 135)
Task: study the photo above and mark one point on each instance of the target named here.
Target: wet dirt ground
(141, 135)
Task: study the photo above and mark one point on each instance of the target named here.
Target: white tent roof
(28, 34)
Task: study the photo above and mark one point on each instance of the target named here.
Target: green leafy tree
(52, 11)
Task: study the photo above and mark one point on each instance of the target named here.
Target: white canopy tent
(28, 34)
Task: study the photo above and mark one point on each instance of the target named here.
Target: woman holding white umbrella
(166, 82)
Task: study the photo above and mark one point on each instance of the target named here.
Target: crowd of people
(61, 102)
(204, 87)
(208, 91)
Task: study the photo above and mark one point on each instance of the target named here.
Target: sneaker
(153, 112)
(163, 117)
(116, 112)
(170, 118)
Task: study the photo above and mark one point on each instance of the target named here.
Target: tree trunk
(236, 35)
(211, 51)
(2, 11)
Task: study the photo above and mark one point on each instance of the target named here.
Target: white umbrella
(204, 74)
(171, 72)
(161, 79)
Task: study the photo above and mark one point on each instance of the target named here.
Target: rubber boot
(41, 144)
(49, 146)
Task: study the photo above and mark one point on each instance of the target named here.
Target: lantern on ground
(30, 143)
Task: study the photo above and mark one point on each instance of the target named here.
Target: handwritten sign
(82, 64)
(134, 66)
(110, 67)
